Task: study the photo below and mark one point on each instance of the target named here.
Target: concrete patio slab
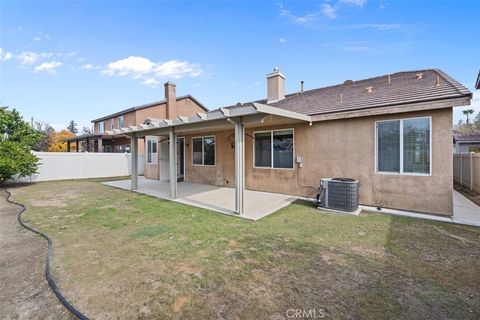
(221, 199)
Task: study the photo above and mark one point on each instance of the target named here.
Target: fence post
(461, 169)
(471, 171)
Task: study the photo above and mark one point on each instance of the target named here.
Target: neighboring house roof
(461, 137)
(477, 84)
(148, 105)
(387, 90)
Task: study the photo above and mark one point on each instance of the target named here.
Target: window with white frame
(120, 122)
(404, 146)
(203, 150)
(274, 149)
(101, 127)
(152, 151)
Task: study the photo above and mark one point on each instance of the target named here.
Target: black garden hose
(48, 275)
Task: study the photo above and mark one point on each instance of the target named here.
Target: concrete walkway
(464, 210)
(24, 292)
(257, 204)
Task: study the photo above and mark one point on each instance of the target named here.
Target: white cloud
(87, 66)
(130, 66)
(149, 72)
(294, 18)
(177, 69)
(48, 66)
(283, 40)
(151, 82)
(379, 26)
(5, 56)
(90, 66)
(28, 57)
(41, 36)
(358, 3)
(329, 11)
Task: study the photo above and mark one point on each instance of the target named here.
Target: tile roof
(387, 90)
(466, 137)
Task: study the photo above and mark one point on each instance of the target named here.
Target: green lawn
(119, 254)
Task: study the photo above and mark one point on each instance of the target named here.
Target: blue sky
(81, 60)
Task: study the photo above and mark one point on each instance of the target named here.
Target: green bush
(16, 140)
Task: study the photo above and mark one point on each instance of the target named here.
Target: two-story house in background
(99, 141)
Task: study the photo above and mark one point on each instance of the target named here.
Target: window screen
(274, 149)
(263, 149)
(197, 150)
(283, 149)
(209, 151)
(413, 149)
(416, 145)
(388, 146)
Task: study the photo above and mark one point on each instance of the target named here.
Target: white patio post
(239, 167)
(173, 163)
(134, 162)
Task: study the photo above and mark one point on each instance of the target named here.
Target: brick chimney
(275, 86)
(171, 97)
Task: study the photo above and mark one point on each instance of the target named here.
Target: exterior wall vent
(369, 89)
(419, 75)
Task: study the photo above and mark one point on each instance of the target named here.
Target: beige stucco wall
(342, 148)
(223, 172)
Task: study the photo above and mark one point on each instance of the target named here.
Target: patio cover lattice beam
(207, 120)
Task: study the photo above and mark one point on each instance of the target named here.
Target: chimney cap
(276, 72)
(171, 83)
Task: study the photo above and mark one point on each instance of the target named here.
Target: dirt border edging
(48, 275)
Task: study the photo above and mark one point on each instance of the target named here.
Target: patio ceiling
(217, 119)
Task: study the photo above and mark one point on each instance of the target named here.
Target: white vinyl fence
(466, 170)
(82, 165)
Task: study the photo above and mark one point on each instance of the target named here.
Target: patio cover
(237, 116)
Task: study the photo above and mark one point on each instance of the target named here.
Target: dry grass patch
(125, 255)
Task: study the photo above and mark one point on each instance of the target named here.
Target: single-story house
(466, 142)
(168, 108)
(393, 133)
